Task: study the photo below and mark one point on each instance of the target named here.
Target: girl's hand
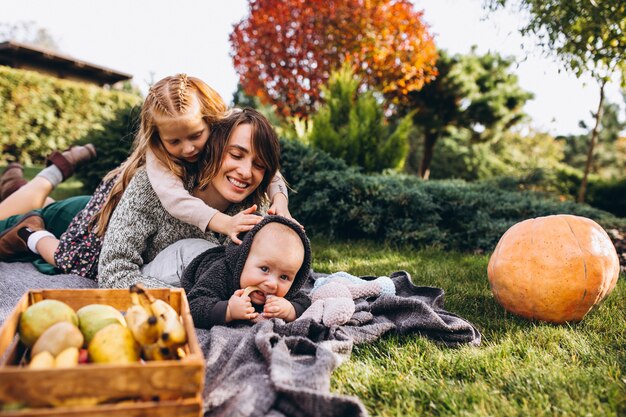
(280, 207)
(240, 308)
(279, 307)
(232, 226)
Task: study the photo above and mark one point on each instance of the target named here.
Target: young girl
(172, 106)
(144, 243)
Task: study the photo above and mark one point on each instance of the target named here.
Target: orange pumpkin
(553, 268)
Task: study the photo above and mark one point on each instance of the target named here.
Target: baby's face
(275, 258)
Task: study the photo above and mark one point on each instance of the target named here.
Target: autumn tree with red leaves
(285, 50)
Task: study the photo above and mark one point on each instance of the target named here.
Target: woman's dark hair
(265, 146)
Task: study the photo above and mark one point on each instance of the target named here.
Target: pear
(44, 360)
(114, 344)
(41, 315)
(68, 358)
(57, 338)
(93, 317)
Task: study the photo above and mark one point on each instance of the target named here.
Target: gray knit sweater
(139, 229)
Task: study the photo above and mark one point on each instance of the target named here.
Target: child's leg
(29, 197)
(46, 247)
(35, 194)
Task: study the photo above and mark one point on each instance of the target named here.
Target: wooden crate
(157, 388)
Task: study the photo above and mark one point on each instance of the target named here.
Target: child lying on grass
(273, 262)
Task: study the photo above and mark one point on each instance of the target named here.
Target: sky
(151, 39)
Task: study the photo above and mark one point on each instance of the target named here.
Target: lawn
(523, 368)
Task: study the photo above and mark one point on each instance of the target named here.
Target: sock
(53, 174)
(35, 237)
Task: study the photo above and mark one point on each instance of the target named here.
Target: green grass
(522, 368)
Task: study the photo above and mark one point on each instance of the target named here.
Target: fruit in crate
(67, 358)
(93, 317)
(57, 338)
(113, 344)
(141, 321)
(164, 340)
(38, 317)
(43, 360)
(173, 334)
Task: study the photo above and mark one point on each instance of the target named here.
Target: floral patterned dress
(79, 247)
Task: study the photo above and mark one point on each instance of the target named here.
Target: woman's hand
(231, 226)
(240, 307)
(280, 207)
(279, 307)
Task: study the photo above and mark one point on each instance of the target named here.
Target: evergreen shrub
(334, 200)
(352, 126)
(609, 196)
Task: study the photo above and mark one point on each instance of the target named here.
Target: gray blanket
(283, 369)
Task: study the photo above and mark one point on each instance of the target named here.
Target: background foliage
(351, 126)
(476, 97)
(588, 37)
(334, 200)
(113, 143)
(284, 51)
(39, 113)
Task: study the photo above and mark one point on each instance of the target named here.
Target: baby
(263, 274)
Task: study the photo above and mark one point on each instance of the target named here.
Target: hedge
(334, 200)
(40, 113)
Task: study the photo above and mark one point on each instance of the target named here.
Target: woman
(176, 119)
(144, 243)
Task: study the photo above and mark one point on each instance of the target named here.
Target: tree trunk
(594, 136)
(427, 157)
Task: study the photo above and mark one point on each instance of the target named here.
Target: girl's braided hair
(172, 97)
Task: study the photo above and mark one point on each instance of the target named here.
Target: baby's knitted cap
(238, 254)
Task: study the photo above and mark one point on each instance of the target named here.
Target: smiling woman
(144, 243)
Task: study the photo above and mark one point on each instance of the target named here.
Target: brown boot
(11, 244)
(68, 160)
(11, 180)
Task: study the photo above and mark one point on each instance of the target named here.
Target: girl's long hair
(265, 146)
(171, 97)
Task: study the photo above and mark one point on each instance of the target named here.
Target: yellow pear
(93, 317)
(39, 316)
(57, 338)
(44, 360)
(113, 344)
(68, 358)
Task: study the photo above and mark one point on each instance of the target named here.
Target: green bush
(40, 113)
(113, 141)
(334, 200)
(352, 126)
(609, 196)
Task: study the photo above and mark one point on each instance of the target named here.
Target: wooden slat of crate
(8, 331)
(166, 380)
(180, 408)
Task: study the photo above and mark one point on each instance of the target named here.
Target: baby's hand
(240, 307)
(232, 226)
(279, 307)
